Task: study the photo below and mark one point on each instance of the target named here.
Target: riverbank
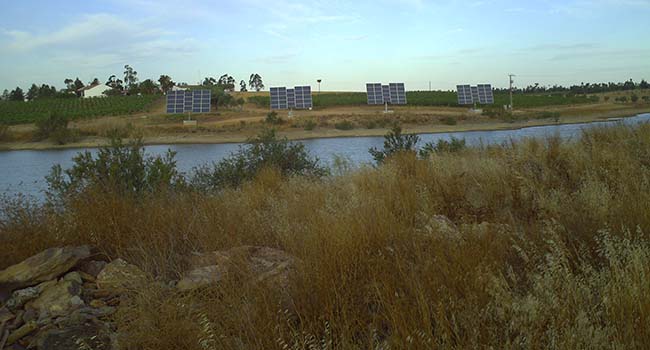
(200, 135)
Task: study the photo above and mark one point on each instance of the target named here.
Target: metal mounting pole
(511, 82)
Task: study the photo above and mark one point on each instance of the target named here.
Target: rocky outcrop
(52, 307)
(41, 267)
(256, 264)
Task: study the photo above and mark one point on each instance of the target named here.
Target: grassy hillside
(551, 250)
(12, 112)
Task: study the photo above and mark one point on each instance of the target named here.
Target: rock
(59, 299)
(73, 276)
(5, 316)
(440, 224)
(21, 332)
(45, 266)
(92, 267)
(97, 303)
(30, 315)
(120, 275)
(89, 337)
(259, 264)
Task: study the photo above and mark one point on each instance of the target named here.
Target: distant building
(95, 90)
(178, 88)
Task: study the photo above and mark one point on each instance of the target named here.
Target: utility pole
(429, 85)
(318, 81)
(511, 81)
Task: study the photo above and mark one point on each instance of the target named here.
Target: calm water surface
(24, 171)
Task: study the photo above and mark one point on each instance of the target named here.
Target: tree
(242, 86)
(395, 142)
(115, 84)
(227, 82)
(166, 83)
(32, 93)
(130, 77)
(255, 82)
(5, 95)
(629, 85)
(77, 86)
(46, 91)
(69, 84)
(17, 95)
(148, 87)
(209, 81)
(644, 84)
(95, 82)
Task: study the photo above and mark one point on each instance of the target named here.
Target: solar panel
(485, 95)
(464, 94)
(397, 93)
(299, 97)
(291, 98)
(303, 97)
(474, 94)
(279, 98)
(195, 101)
(393, 93)
(375, 95)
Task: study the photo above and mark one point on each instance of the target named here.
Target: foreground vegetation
(551, 248)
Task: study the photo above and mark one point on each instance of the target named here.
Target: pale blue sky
(345, 43)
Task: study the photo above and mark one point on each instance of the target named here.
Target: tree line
(128, 84)
(583, 88)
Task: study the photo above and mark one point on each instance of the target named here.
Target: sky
(344, 43)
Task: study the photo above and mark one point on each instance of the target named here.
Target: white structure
(97, 90)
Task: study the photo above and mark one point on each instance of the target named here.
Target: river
(24, 171)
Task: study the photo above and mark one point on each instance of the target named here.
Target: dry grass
(553, 252)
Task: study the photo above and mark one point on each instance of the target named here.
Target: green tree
(242, 86)
(166, 83)
(148, 87)
(227, 82)
(644, 84)
(130, 77)
(32, 93)
(94, 82)
(46, 91)
(78, 84)
(394, 142)
(69, 84)
(5, 95)
(255, 82)
(17, 95)
(209, 81)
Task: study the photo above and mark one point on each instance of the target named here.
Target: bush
(264, 151)
(443, 146)
(273, 119)
(344, 125)
(449, 121)
(55, 127)
(310, 125)
(395, 142)
(646, 98)
(634, 98)
(369, 124)
(120, 168)
(4, 132)
(606, 98)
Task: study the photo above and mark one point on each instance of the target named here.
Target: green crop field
(439, 99)
(13, 112)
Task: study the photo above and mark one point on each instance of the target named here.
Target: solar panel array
(481, 93)
(393, 93)
(184, 101)
(297, 98)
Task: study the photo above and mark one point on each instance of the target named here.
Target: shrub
(369, 124)
(606, 98)
(118, 167)
(273, 119)
(646, 98)
(344, 125)
(443, 146)
(394, 142)
(634, 98)
(310, 125)
(4, 132)
(264, 151)
(54, 124)
(449, 121)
